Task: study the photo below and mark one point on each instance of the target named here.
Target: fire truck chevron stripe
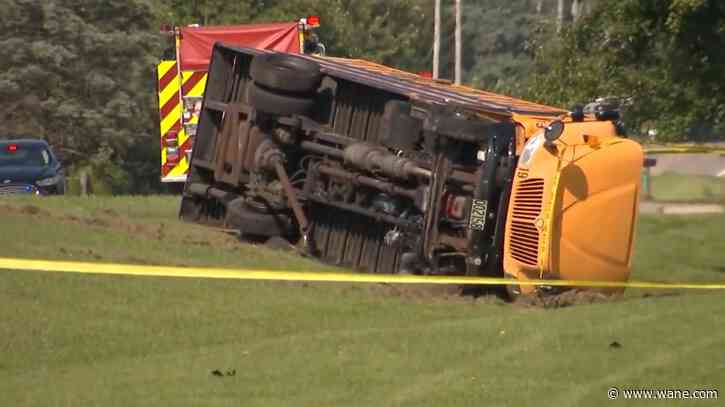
(168, 107)
(193, 79)
(180, 169)
(170, 123)
(165, 170)
(172, 86)
(198, 90)
(168, 92)
(168, 75)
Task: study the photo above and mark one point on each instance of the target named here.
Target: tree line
(80, 73)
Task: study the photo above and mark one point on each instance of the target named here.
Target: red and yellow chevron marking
(170, 114)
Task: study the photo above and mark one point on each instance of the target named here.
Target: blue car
(30, 167)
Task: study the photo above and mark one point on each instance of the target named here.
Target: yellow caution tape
(241, 274)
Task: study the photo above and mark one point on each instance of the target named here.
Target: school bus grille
(524, 238)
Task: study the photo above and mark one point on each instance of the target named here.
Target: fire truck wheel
(286, 73)
(275, 103)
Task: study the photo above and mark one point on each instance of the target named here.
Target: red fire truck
(182, 78)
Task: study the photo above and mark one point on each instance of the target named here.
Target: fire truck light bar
(313, 21)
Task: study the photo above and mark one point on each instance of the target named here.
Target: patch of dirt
(417, 291)
(160, 233)
(108, 212)
(88, 253)
(104, 219)
(24, 210)
(93, 254)
(200, 243)
(659, 294)
(430, 293)
(279, 243)
(137, 260)
(96, 222)
(575, 297)
(30, 210)
(115, 224)
(565, 299)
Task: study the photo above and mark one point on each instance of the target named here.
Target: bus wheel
(274, 103)
(286, 73)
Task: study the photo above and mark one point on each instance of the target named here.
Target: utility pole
(539, 6)
(566, 10)
(576, 10)
(559, 15)
(437, 40)
(458, 42)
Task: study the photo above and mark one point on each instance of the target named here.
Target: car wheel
(285, 73)
(274, 103)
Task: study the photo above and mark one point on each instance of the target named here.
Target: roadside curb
(659, 208)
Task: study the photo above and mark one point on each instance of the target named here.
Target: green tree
(80, 74)
(206, 12)
(663, 58)
(397, 33)
(497, 53)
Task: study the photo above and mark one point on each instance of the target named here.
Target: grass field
(73, 340)
(673, 187)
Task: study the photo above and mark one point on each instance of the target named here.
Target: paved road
(680, 209)
(691, 164)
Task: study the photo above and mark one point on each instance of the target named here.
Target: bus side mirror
(552, 132)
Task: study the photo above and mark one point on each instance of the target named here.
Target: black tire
(463, 129)
(273, 103)
(191, 209)
(286, 73)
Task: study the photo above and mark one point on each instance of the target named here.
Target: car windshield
(18, 155)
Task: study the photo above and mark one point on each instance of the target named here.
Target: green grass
(680, 248)
(671, 187)
(77, 340)
(141, 230)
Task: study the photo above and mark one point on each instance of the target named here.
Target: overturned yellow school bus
(385, 171)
